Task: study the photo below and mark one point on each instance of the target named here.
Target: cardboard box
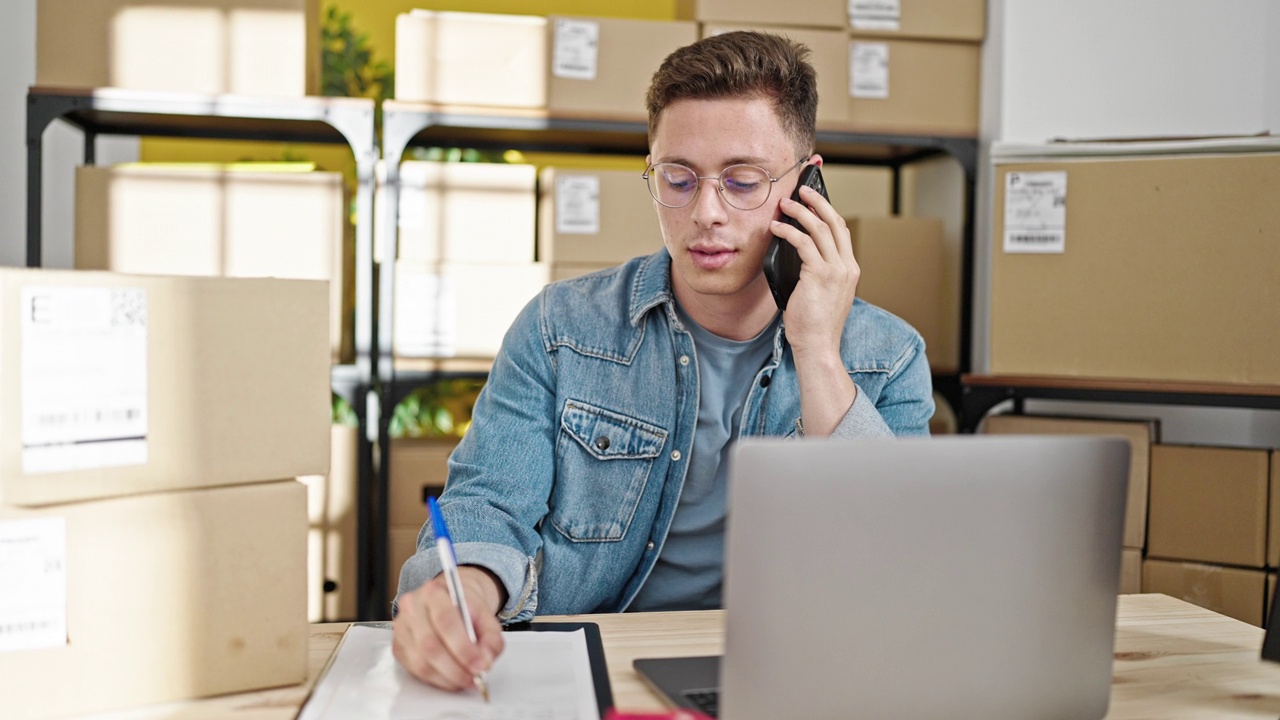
(402, 543)
(153, 598)
(829, 56)
(936, 187)
(457, 58)
(901, 262)
(1273, 514)
(460, 310)
(1209, 504)
(921, 19)
(862, 190)
(1141, 435)
(1229, 591)
(229, 221)
(1271, 596)
(602, 67)
(1130, 571)
(332, 548)
(211, 47)
(1136, 236)
(463, 212)
(595, 217)
(914, 87)
(419, 468)
(801, 13)
(125, 384)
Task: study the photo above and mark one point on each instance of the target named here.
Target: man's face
(718, 250)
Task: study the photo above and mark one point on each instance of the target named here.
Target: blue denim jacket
(567, 480)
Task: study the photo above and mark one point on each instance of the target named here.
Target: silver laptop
(957, 577)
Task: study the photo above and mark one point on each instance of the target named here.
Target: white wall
(1123, 68)
(62, 149)
(1106, 68)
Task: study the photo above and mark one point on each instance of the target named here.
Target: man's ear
(815, 159)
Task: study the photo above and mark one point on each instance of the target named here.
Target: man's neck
(730, 317)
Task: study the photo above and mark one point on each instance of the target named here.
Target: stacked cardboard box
(465, 264)
(419, 469)
(213, 47)
(1094, 255)
(247, 220)
(586, 66)
(331, 541)
(1208, 534)
(1141, 434)
(140, 494)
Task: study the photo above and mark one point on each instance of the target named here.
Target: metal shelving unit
(346, 121)
(406, 125)
(980, 393)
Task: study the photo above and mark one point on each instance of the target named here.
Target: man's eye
(680, 185)
(741, 186)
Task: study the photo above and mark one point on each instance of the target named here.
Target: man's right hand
(429, 639)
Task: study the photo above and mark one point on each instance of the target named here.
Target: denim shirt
(567, 480)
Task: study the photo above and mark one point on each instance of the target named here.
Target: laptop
(956, 577)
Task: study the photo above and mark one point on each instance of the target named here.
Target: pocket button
(602, 443)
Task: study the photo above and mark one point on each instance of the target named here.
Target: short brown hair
(738, 64)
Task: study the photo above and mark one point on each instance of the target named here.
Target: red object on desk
(670, 715)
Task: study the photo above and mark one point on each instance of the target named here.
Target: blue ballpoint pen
(449, 561)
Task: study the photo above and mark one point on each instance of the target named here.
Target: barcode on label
(1035, 239)
(30, 626)
(128, 308)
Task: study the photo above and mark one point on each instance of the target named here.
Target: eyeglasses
(745, 187)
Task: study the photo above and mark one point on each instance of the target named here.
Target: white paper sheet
(540, 676)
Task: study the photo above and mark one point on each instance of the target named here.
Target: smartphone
(781, 261)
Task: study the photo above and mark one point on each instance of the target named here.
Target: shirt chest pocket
(603, 462)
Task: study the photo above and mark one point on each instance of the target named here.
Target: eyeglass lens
(745, 187)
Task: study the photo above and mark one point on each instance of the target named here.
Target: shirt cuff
(862, 420)
(516, 572)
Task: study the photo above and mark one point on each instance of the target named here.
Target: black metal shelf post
(347, 121)
(415, 124)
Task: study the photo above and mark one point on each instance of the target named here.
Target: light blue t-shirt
(690, 567)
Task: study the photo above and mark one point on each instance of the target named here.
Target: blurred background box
(153, 598)
(595, 217)
(460, 309)
(913, 87)
(237, 220)
(829, 14)
(829, 56)
(1141, 238)
(921, 19)
(467, 212)
(602, 67)
(124, 384)
(331, 546)
(1231, 591)
(209, 47)
(419, 468)
(901, 263)
(861, 190)
(1130, 571)
(1209, 504)
(459, 58)
(1141, 434)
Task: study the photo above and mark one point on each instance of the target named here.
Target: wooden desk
(1173, 660)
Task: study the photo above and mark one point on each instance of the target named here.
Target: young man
(592, 478)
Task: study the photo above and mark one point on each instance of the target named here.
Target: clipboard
(591, 633)
(595, 654)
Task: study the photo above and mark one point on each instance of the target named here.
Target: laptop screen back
(960, 577)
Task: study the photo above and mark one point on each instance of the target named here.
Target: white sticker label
(869, 70)
(875, 14)
(578, 205)
(84, 378)
(33, 584)
(427, 318)
(1035, 212)
(577, 49)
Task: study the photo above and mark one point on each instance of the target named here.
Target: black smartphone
(781, 261)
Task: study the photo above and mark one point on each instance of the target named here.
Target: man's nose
(709, 206)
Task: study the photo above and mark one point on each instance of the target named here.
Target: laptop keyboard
(707, 701)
